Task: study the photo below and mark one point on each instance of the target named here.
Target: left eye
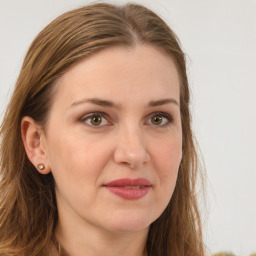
(96, 120)
(160, 119)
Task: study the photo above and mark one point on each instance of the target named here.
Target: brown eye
(156, 120)
(96, 120)
(160, 119)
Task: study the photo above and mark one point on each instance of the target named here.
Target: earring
(41, 166)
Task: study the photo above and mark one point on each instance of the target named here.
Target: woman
(97, 153)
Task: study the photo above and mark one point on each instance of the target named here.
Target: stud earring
(41, 166)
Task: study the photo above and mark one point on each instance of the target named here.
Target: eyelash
(161, 114)
(89, 117)
(95, 114)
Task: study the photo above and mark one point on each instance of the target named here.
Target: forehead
(142, 71)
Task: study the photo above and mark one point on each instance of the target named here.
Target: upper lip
(129, 183)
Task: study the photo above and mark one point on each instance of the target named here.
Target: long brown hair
(28, 212)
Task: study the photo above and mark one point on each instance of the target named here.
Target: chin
(130, 222)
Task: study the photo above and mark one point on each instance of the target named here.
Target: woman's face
(114, 140)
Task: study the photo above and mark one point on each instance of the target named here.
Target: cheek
(168, 157)
(170, 154)
(76, 167)
(76, 159)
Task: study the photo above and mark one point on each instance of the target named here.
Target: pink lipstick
(129, 189)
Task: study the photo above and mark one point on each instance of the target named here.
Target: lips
(129, 189)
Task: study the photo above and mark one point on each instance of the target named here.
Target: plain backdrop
(219, 39)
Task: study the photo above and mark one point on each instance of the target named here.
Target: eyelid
(165, 115)
(92, 114)
(162, 114)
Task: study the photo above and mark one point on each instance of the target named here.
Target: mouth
(129, 189)
(134, 187)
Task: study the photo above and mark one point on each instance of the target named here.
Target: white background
(219, 39)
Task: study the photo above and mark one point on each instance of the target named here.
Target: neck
(85, 240)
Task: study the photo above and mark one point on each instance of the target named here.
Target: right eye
(95, 120)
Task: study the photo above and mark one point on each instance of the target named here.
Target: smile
(129, 189)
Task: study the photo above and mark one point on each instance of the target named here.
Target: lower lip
(129, 193)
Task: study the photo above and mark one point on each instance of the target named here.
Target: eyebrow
(97, 101)
(155, 103)
(107, 103)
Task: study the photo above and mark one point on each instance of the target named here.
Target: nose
(131, 148)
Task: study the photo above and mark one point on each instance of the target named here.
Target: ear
(32, 137)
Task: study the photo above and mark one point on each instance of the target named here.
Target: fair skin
(115, 115)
